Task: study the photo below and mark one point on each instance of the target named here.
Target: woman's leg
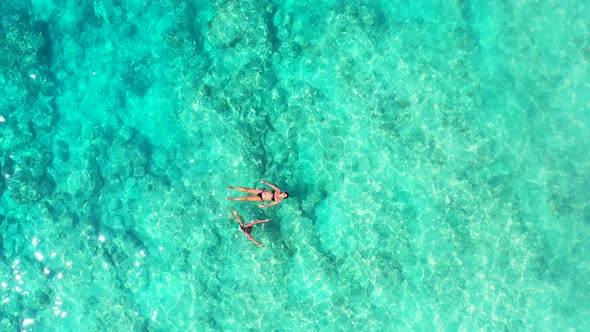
(245, 198)
(245, 190)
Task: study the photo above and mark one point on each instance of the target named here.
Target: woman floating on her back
(275, 196)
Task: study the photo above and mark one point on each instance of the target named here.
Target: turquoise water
(435, 153)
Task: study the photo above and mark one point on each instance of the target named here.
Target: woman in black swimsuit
(246, 229)
(275, 196)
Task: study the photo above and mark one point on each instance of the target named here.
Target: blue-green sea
(436, 154)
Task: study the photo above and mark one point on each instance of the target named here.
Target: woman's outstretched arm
(263, 206)
(270, 185)
(252, 239)
(256, 222)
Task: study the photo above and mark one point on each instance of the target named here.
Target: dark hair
(286, 193)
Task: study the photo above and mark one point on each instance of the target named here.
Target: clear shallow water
(435, 153)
